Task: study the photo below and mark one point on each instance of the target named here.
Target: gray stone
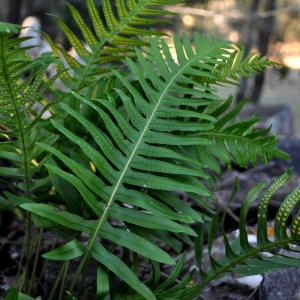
(292, 147)
(281, 285)
(228, 288)
(280, 117)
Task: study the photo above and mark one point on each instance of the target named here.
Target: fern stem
(36, 259)
(58, 279)
(27, 245)
(64, 277)
(44, 265)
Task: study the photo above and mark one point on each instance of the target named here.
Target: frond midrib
(228, 135)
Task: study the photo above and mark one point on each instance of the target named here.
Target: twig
(252, 294)
(233, 15)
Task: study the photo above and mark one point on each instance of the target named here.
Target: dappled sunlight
(292, 62)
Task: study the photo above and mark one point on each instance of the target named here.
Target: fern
(238, 65)
(235, 141)
(143, 145)
(241, 258)
(22, 85)
(168, 288)
(156, 129)
(112, 35)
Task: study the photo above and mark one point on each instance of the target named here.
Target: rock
(281, 285)
(280, 117)
(228, 288)
(252, 281)
(292, 147)
(31, 30)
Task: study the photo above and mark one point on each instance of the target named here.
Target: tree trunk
(265, 30)
(247, 42)
(14, 11)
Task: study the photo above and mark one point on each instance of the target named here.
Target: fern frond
(241, 258)
(119, 29)
(139, 147)
(22, 85)
(8, 28)
(236, 141)
(234, 66)
(239, 66)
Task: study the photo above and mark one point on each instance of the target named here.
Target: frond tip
(122, 25)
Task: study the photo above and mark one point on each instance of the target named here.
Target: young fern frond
(140, 154)
(114, 33)
(244, 259)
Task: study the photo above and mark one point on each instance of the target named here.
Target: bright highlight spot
(189, 21)
(292, 62)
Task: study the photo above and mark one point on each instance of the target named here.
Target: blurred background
(271, 27)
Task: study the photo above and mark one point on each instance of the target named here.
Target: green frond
(171, 287)
(140, 150)
(121, 27)
(236, 141)
(8, 28)
(239, 66)
(22, 86)
(262, 235)
(241, 258)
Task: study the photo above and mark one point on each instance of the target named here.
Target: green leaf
(174, 275)
(283, 214)
(13, 294)
(118, 267)
(120, 237)
(67, 251)
(9, 28)
(262, 235)
(251, 197)
(102, 283)
(116, 30)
